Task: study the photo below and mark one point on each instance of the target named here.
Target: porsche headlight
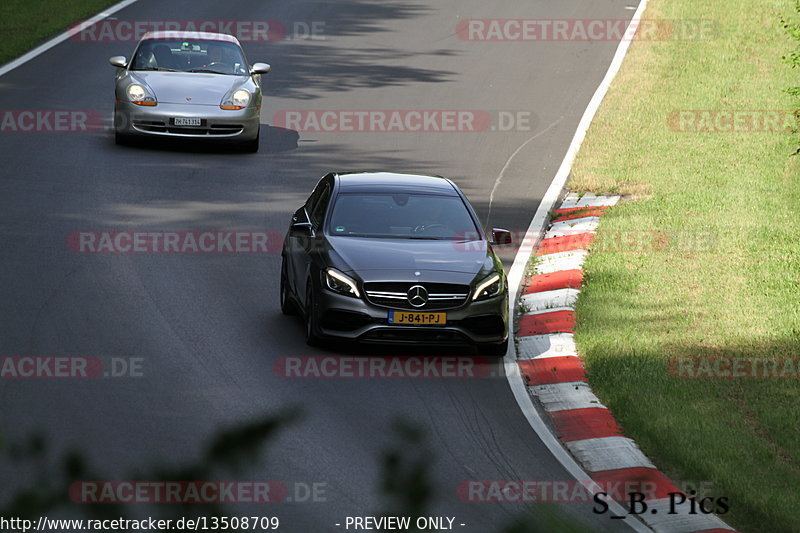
(488, 288)
(136, 92)
(241, 98)
(341, 284)
(139, 96)
(238, 100)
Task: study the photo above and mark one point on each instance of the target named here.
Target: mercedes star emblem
(417, 296)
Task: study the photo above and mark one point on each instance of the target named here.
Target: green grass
(26, 23)
(728, 281)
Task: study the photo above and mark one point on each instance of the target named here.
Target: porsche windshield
(409, 216)
(216, 57)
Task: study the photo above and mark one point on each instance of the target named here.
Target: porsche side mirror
(260, 68)
(118, 61)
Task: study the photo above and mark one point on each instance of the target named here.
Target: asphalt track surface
(208, 327)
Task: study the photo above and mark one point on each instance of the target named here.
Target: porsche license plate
(181, 121)
(417, 318)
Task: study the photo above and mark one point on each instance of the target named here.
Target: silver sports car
(188, 84)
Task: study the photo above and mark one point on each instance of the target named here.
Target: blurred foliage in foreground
(406, 485)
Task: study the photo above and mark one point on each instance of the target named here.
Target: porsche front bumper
(215, 123)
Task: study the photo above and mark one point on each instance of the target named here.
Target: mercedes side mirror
(302, 227)
(501, 237)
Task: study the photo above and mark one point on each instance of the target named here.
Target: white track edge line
(60, 38)
(515, 275)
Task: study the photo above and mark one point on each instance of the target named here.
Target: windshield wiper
(390, 236)
(205, 70)
(156, 68)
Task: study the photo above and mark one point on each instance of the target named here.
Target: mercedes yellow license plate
(417, 318)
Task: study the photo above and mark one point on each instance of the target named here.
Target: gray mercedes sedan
(194, 85)
(394, 258)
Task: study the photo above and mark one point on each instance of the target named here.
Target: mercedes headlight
(488, 288)
(341, 284)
